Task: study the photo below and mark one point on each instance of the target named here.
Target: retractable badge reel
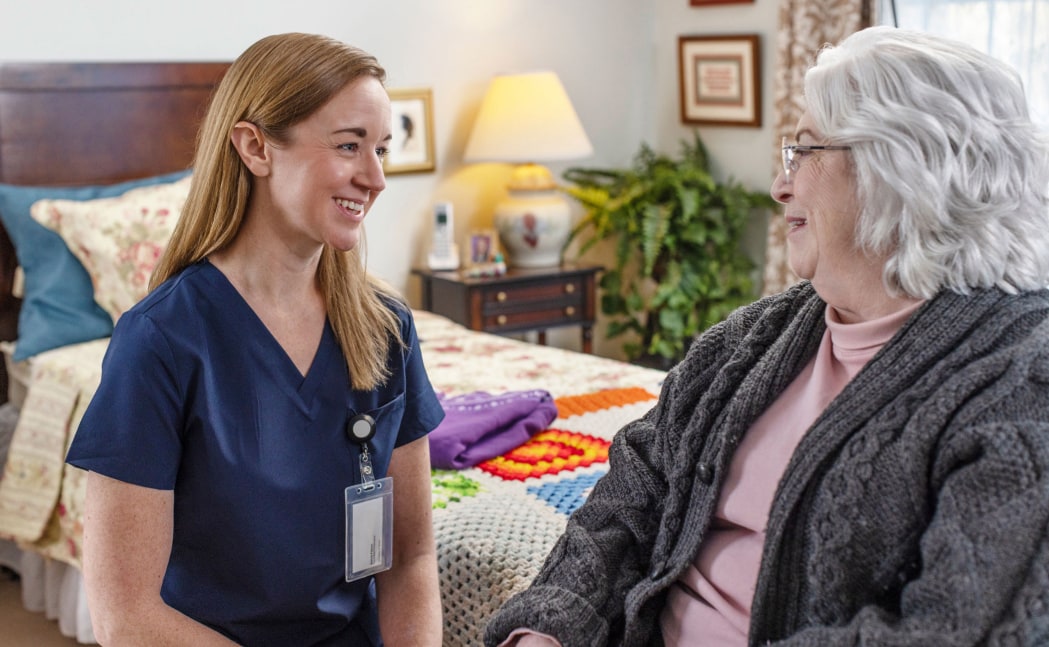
(369, 510)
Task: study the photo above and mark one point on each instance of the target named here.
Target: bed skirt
(53, 588)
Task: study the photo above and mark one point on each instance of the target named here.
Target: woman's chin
(802, 269)
(344, 246)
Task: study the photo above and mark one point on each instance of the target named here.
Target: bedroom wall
(617, 59)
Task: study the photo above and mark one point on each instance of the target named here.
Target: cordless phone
(444, 253)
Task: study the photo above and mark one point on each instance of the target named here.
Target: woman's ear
(250, 143)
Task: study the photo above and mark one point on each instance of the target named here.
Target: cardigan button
(705, 473)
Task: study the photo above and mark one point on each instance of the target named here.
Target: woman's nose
(781, 190)
(372, 176)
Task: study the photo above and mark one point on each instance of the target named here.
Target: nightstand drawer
(533, 318)
(550, 290)
(522, 300)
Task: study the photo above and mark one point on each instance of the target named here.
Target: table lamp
(525, 119)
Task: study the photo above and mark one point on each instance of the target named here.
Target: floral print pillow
(117, 240)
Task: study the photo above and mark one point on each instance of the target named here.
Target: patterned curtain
(804, 27)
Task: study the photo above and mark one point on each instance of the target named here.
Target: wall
(616, 58)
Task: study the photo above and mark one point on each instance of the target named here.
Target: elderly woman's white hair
(952, 174)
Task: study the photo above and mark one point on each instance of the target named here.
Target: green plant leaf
(677, 263)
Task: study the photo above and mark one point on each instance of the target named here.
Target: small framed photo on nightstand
(485, 259)
(484, 245)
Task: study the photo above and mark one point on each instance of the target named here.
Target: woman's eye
(382, 152)
(352, 147)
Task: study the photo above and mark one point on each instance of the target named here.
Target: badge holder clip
(369, 511)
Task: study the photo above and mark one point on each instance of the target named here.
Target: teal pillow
(58, 306)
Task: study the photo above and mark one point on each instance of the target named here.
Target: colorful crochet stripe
(555, 450)
(568, 494)
(574, 405)
(548, 452)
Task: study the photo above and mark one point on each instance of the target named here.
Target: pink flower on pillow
(139, 259)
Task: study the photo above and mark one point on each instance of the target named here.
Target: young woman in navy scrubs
(217, 442)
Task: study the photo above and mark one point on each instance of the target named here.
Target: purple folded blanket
(478, 426)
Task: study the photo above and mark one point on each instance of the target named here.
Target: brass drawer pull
(570, 288)
(501, 296)
(501, 319)
(569, 311)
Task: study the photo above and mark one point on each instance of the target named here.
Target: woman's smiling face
(326, 178)
(821, 211)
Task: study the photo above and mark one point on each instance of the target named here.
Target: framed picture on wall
(411, 149)
(720, 78)
(706, 3)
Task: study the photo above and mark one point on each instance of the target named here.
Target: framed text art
(411, 149)
(720, 80)
(707, 3)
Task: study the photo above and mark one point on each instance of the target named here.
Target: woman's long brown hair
(276, 83)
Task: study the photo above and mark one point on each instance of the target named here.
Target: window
(1014, 31)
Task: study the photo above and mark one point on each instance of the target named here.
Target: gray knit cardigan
(913, 512)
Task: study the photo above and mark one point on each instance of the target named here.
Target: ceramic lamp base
(533, 227)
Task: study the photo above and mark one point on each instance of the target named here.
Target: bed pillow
(118, 240)
(58, 306)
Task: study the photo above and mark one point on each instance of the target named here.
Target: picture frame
(720, 80)
(411, 149)
(707, 3)
(484, 245)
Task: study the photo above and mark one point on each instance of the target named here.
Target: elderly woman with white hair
(864, 458)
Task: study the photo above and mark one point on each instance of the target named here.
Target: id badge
(369, 528)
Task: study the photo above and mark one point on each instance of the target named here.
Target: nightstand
(522, 300)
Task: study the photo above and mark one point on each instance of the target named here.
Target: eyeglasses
(791, 159)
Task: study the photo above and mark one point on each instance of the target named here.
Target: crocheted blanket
(496, 522)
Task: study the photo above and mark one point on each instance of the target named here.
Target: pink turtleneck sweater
(710, 602)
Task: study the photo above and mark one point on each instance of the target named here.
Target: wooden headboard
(70, 124)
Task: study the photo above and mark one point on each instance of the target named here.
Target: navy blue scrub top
(198, 397)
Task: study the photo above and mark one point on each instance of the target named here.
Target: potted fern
(678, 267)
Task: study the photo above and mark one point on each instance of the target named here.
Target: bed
(97, 126)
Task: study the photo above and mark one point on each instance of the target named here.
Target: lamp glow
(525, 119)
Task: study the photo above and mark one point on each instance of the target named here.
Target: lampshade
(528, 118)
